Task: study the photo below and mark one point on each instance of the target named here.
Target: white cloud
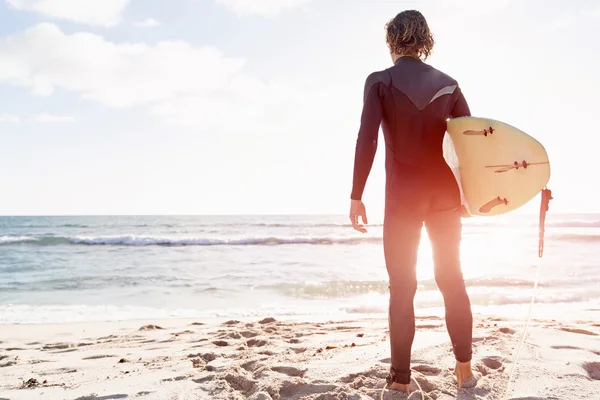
(9, 119)
(187, 85)
(115, 74)
(45, 118)
(147, 23)
(260, 7)
(104, 13)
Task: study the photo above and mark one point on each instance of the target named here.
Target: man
(412, 102)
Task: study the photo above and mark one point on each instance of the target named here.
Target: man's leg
(444, 229)
(401, 237)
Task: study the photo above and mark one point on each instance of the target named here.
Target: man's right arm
(366, 143)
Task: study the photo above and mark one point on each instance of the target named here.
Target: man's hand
(357, 209)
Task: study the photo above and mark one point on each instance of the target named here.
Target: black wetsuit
(412, 101)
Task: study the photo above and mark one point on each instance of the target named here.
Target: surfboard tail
(497, 167)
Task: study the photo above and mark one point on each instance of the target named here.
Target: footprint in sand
(204, 379)
(427, 369)
(206, 357)
(63, 346)
(492, 362)
(59, 371)
(424, 384)
(65, 351)
(99, 357)
(252, 365)
(186, 332)
(260, 396)
(38, 361)
(256, 343)
(508, 331)
(566, 348)
(239, 380)
(290, 371)
(593, 369)
(579, 331)
(175, 379)
(249, 334)
(150, 328)
(8, 364)
(298, 350)
(230, 335)
(294, 388)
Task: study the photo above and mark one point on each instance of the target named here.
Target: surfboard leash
(544, 207)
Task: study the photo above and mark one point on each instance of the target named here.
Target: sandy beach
(286, 359)
(194, 196)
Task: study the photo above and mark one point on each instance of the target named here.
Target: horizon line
(264, 214)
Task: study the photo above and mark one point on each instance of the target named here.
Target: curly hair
(408, 34)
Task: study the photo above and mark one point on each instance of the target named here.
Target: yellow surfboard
(498, 167)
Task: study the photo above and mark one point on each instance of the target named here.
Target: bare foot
(464, 375)
(398, 386)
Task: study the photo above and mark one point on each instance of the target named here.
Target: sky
(253, 106)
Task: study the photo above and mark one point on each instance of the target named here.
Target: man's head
(408, 34)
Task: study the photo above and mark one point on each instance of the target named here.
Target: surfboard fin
(485, 132)
(487, 207)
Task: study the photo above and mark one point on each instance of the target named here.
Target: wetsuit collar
(407, 58)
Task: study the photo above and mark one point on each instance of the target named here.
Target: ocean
(111, 268)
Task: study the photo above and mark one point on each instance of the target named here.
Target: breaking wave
(135, 240)
(149, 240)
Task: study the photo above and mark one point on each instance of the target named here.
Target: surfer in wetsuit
(412, 102)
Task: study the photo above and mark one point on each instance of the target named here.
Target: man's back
(411, 101)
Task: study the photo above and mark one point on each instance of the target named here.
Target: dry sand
(269, 359)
